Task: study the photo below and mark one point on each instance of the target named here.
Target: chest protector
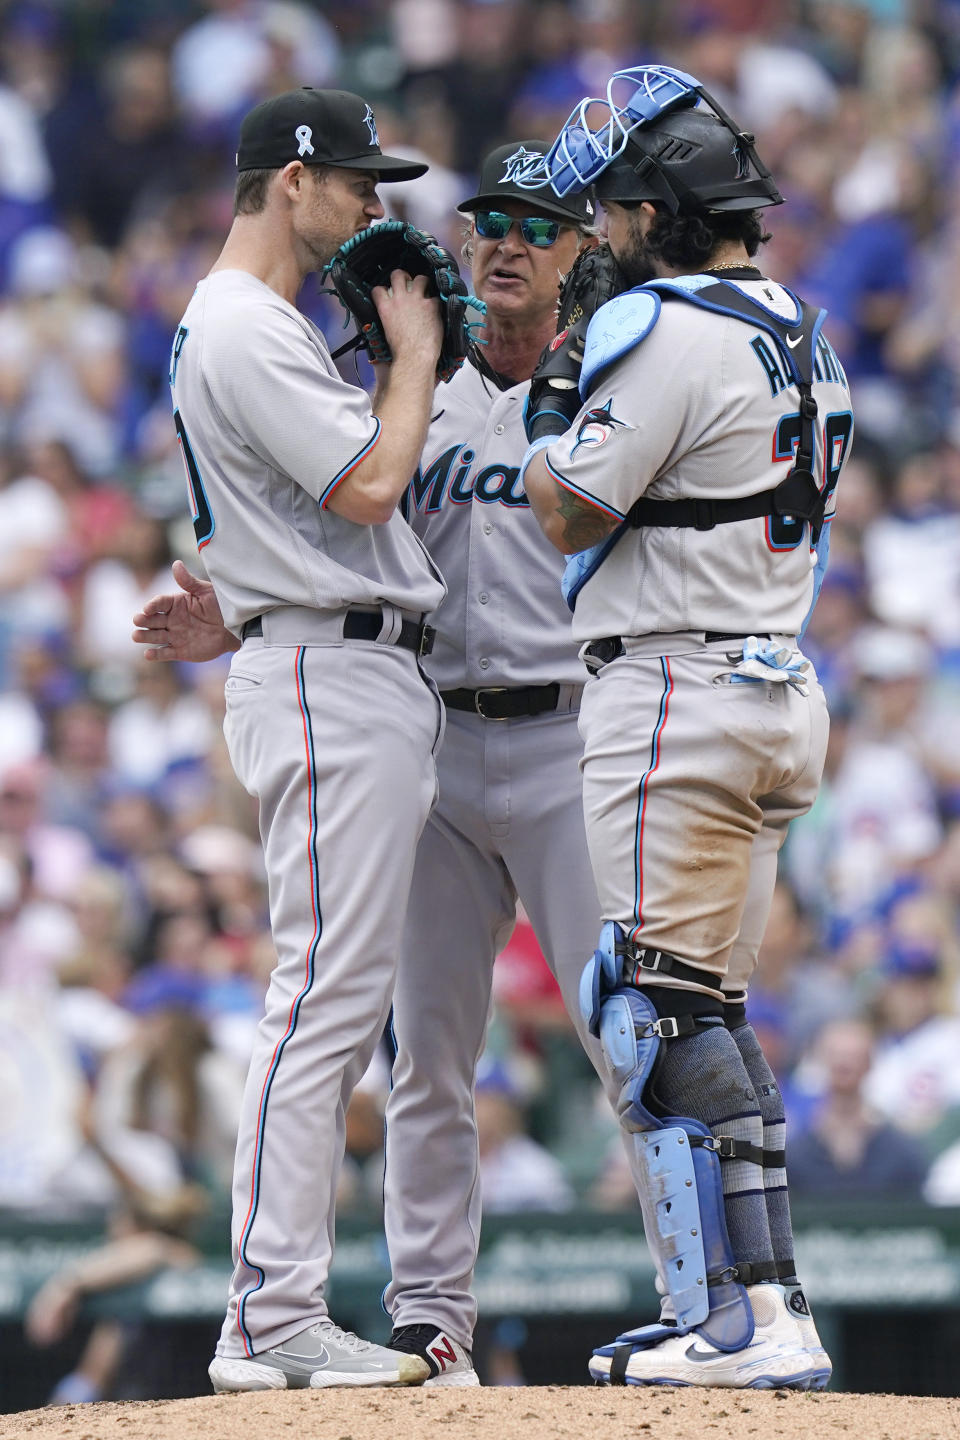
(795, 337)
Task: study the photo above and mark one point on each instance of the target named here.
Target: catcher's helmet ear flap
(690, 161)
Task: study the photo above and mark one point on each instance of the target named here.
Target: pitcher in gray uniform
(294, 481)
(509, 818)
(694, 487)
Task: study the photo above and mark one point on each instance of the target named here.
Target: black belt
(611, 646)
(710, 635)
(366, 625)
(499, 703)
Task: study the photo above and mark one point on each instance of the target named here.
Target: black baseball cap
(498, 181)
(319, 127)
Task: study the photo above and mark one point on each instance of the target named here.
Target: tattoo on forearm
(584, 525)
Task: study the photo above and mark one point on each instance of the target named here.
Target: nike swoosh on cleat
(700, 1356)
(321, 1358)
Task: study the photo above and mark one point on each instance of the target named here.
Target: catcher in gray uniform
(687, 443)
(294, 481)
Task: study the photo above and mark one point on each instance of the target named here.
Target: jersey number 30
(784, 533)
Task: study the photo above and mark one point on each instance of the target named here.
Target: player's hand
(554, 399)
(411, 322)
(184, 626)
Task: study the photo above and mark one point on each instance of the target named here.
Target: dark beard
(637, 261)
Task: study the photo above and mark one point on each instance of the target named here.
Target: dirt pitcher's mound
(531, 1412)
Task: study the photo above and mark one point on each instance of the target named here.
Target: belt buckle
(478, 704)
(427, 636)
(704, 515)
(602, 652)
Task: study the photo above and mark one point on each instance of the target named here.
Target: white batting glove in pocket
(768, 663)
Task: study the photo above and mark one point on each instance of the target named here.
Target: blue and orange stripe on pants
(294, 1008)
(655, 747)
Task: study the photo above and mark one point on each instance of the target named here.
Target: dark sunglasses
(536, 229)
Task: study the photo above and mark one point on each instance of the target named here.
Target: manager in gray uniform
(508, 821)
(697, 480)
(294, 481)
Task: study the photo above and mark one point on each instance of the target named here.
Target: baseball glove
(369, 258)
(592, 280)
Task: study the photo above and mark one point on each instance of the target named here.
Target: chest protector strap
(798, 494)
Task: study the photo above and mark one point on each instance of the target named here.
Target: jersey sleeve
(626, 431)
(270, 383)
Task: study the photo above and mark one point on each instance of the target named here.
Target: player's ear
(292, 178)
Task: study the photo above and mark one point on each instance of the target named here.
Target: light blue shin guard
(686, 1227)
(682, 1191)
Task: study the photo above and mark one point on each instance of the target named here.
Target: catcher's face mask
(637, 100)
(634, 97)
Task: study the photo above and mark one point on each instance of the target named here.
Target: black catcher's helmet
(690, 161)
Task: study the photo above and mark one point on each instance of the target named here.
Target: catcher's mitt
(592, 280)
(369, 258)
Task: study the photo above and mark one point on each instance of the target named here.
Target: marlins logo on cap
(520, 166)
(503, 176)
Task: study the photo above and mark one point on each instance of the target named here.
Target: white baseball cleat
(320, 1357)
(450, 1363)
(799, 1311)
(777, 1357)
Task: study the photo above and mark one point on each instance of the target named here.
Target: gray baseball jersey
(508, 822)
(690, 777)
(503, 620)
(336, 741)
(701, 407)
(269, 430)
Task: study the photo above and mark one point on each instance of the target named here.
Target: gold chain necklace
(710, 269)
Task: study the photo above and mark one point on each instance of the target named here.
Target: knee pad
(630, 1027)
(626, 1024)
(601, 974)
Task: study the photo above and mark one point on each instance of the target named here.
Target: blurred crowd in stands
(134, 945)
